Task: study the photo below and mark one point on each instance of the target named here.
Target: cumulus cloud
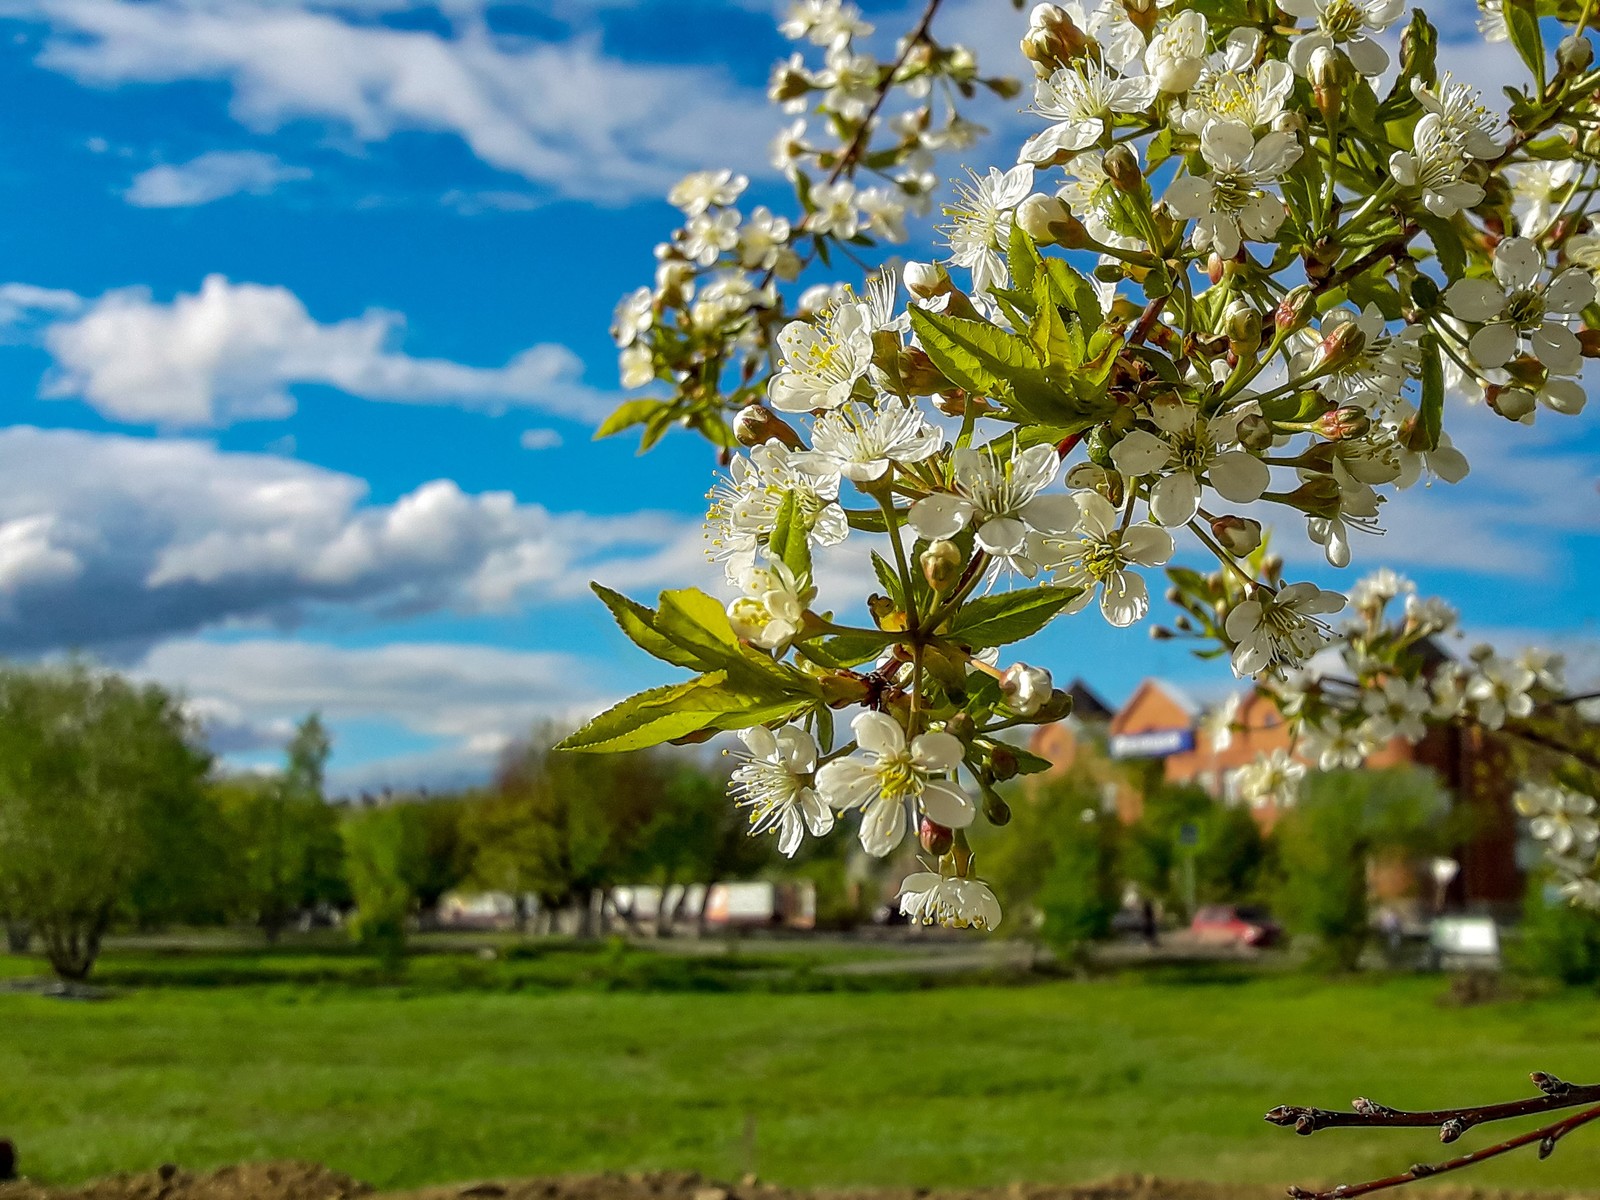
(234, 351)
(113, 543)
(566, 116)
(213, 176)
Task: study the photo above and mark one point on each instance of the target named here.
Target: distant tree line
(113, 816)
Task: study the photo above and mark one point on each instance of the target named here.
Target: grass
(952, 1085)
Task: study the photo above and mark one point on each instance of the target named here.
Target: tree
(288, 852)
(1328, 839)
(375, 857)
(102, 808)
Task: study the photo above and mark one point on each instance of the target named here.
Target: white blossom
(1097, 555)
(1332, 745)
(862, 443)
(745, 506)
(1462, 116)
(823, 360)
(1025, 688)
(1561, 818)
(1272, 779)
(1002, 498)
(1281, 629)
(763, 240)
(824, 22)
(707, 235)
(633, 316)
(696, 193)
(1499, 689)
(1436, 166)
(1518, 312)
(887, 775)
(835, 210)
(928, 898)
(1177, 54)
(1396, 708)
(1082, 99)
(1231, 202)
(1186, 450)
(770, 612)
(1346, 25)
(1232, 87)
(980, 223)
(774, 782)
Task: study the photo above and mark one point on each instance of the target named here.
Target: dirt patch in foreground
(307, 1181)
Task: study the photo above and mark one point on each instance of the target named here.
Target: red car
(1235, 925)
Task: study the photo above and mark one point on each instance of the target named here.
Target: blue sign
(1152, 743)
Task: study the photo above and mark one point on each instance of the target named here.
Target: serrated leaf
(653, 717)
(1076, 292)
(1022, 257)
(638, 622)
(888, 578)
(789, 543)
(1432, 410)
(1522, 22)
(1028, 763)
(1446, 243)
(1011, 617)
(627, 415)
(975, 355)
(852, 649)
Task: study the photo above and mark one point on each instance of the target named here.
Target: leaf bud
(1574, 55)
(1344, 423)
(1294, 310)
(1239, 536)
(941, 565)
(961, 727)
(1007, 87)
(1025, 688)
(1254, 432)
(926, 281)
(1043, 218)
(936, 839)
(1122, 168)
(756, 425)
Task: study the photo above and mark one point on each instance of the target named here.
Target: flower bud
(918, 374)
(1057, 708)
(1122, 168)
(1589, 343)
(1043, 218)
(1003, 762)
(941, 565)
(1052, 40)
(1574, 55)
(1239, 536)
(1330, 73)
(996, 810)
(1294, 310)
(1254, 432)
(756, 425)
(1316, 497)
(1025, 688)
(1241, 323)
(1289, 122)
(1094, 477)
(936, 839)
(1344, 423)
(1512, 403)
(1339, 347)
(961, 727)
(926, 281)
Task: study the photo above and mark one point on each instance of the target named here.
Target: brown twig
(1547, 1136)
(858, 143)
(1555, 1094)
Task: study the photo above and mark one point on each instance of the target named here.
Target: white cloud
(566, 116)
(233, 351)
(540, 439)
(114, 543)
(210, 177)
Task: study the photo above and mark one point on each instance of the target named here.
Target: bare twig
(858, 143)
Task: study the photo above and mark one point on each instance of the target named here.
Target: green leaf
(638, 621)
(852, 649)
(974, 355)
(789, 543)
(1432, 412)
(627, 415)
(888, 578)
(1011, 617)
(1447, 243)
(1050, 336)
(1522, 19)
(1028, 763)
(1076, 292)
(654, 716)
(1022, 258)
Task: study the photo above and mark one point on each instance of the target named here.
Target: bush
(1559, 941)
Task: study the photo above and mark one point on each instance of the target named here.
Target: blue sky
(289, 284)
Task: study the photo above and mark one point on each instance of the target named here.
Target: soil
(307, 1181)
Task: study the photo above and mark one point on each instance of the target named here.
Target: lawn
(949, 1085)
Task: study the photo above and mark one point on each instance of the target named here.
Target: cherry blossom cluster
(1237, 266)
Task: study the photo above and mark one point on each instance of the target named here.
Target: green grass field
(950, 1085)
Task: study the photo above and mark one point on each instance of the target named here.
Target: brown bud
(1589, 343)
(936, 839)
(1340, 347)
(1057, 708)
(1317, 497)
(927, 281)
(1052, 40)
(1003, 762)
(918, 374)
(1344, 423)
(1122, 168)
(995, 809)
(1239, 536)
(1294, 310)
(1254, 432)
(756, 425)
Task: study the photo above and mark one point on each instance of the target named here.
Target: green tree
(1327, 840)
(288, 850)
(375, 844)
(103, 814)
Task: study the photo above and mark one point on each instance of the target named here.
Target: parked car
(1235, 925)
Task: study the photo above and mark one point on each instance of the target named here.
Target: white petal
(1124, 599)
(879, 733)
(940, 516)
(883, 824)
(1175, 499)
(1002, 536)
(761, 741)
(1570, 292)
(1147, 545)
(1475, 299)
(1239, 476)
(1051, 514)
(1493, 345)
(846, 783)
(937, 751)
(1518, 263)
(1140, 452)
(947, 804)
